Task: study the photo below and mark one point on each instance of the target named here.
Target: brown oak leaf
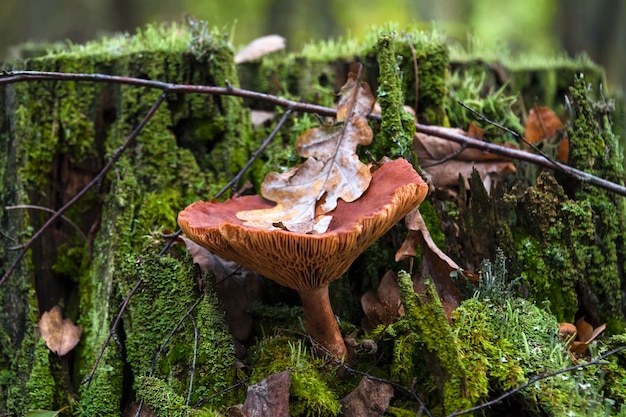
(61, 335)
(305, 193)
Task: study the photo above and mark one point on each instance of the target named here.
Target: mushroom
(309, 262)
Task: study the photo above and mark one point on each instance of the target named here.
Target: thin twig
(169, 337)
(30, 206)
(89, 377)
(20, 76)
(596, 361)
(195, 357)
(165, 343)
(393, 384)
(114, 158)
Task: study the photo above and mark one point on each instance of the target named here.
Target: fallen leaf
(237, 287)
(61, 335)
(268, 398)
(543, 124)
(369, 399)
(305, 193)
(260, 47)
(435, 263)
(383, 305)
(443, 160)
(585, 334)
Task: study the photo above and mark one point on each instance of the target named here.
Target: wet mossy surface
(564, 239)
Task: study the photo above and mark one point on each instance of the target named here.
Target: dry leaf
(268, 398)
(444, 160)
(543, 124)
(61, 336)
(585, 334)
(369, 399)
(304, 194)
(260, 47)
(435, 263)
(382, 306)
(237, 287)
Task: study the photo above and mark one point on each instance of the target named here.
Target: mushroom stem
(320, 321)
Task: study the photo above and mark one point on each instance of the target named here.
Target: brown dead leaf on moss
(268, 398)
(332, 171)
(61, 335)
(543, 124)
(580, 335)
(369, 399)
(444, 160)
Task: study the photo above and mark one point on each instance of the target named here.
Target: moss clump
(595, 148)
(425, 316)
(310, 387)
(41, 386)
(163, 401)
(395, 139)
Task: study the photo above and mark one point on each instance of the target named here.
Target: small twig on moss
(114, 158)
(89, 377)
(596, 361)
(192, 372)
(30, 206)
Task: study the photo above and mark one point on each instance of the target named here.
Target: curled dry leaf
(61, 335)
(369, 399)
(435, 263)
(444, 161)
(332, 171)
(584, 332)
(260, 47)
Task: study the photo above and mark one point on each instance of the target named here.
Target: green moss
(395, 139)
(310, 378)
(168, 291)
(425, 316)
(471, 87)
(163, 401)
(41, 385)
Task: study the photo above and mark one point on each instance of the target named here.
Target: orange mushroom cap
(299, 260)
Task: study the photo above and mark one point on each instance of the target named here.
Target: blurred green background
(597, 27)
